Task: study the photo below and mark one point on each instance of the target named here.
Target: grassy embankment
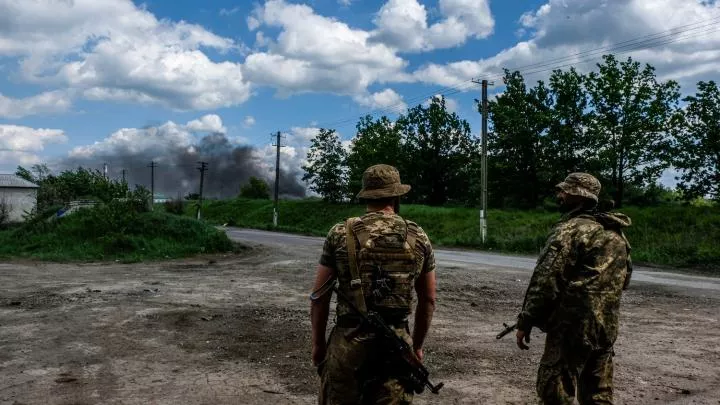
(111, 232)
(669, 235)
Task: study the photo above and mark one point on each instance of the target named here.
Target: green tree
(438, 153)
(376, 142)
(256, 189)
(566, 147)
(631, 120)
(70, 185)
(698, 146)
(325, 168)
(520, 119)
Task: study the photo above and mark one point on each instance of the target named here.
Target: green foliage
(699, 144)
(520, 120)
(325, 169)
(175, 206)
(119, 229)
(672, 235)
(255, 188)
(438, 154)
(71, 185)
(5, 210)
(632, 115)
(376, 142)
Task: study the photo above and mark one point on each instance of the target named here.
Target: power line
(651, 40)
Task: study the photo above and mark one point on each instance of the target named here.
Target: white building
(18, 195)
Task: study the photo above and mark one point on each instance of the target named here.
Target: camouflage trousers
(565, 373)
(347, 376)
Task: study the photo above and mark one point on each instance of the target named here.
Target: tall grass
(681, 236)
(112, 232)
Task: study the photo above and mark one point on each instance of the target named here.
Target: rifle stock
(508, 329)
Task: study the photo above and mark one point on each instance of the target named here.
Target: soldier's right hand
(420, 354)
(520, 335)
(318, 354)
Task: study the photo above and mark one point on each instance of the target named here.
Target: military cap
(382, 181)
(581, 184)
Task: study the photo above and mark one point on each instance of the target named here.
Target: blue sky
(88, 78)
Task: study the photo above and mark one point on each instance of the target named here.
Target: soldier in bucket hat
(391, 261)
(574, 296)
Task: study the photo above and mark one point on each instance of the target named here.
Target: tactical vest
(383, 274)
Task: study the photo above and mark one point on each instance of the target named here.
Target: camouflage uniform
(574, 296)
(353, 371)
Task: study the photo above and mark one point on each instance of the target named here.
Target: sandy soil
(235, 330)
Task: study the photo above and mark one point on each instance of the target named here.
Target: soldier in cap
(574, 296)
(381, 260)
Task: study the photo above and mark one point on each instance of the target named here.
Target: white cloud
(48, 102)
(561, 30)
(387, 98)
(317, 53)
(29, 139)
(345, 2)
(249, 121)
(207, 123)
(115, 50)
(154, 140)
(20, 144)
(403, 24)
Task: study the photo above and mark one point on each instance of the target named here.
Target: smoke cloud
(176, 150)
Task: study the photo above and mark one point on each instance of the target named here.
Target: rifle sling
(356, 290)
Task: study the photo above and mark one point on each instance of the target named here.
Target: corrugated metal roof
(13, 181)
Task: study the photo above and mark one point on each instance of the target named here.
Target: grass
(678, 236)
(112, 232)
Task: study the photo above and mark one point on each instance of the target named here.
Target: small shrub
(176, 207)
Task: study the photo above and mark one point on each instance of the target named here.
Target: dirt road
(235, 330)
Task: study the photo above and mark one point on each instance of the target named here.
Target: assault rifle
(508, 329)
(409, 365)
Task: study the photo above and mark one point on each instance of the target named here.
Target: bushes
(672, 235)
(119, 229)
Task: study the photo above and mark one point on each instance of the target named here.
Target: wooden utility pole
(483, 161)
(277, 179)
(123, 175)
(202, 168)
(152, 167)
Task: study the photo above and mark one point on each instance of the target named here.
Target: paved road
(465, 258)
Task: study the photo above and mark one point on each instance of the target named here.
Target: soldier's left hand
(520, 335)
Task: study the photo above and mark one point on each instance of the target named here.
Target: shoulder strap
(361, 232)
(355, 281)
(412, 235)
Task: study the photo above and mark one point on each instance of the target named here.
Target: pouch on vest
(387, 266)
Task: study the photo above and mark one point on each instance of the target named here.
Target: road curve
(477, 259)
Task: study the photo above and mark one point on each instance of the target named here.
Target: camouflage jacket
(578, 280)
(335, 253)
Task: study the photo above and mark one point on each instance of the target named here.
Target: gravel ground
(235, 329)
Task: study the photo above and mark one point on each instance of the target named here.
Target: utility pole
(202, 168)
(152, 167)
(483, 160)
(277, 179)
(123, 175)
(105, 170)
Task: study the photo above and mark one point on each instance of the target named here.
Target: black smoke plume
(176, 173)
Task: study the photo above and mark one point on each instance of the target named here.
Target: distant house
(160, 198)
(18, 195)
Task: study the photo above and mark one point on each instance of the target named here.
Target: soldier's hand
(318, 354)
(420, 354)
(520, 335)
